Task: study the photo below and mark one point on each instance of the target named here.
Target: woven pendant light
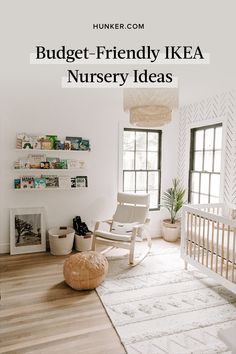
(150, 116)
(150, 107)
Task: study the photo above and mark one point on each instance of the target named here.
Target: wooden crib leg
(185, 265)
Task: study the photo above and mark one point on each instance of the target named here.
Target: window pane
(128, 140)
(152, 161)
(195, 182)
(198, 161)
(215, 185)
(204, 183)
(141, 141)
(214, 200)
(141, 181)
(129, 181)
(153, 180)
(141, 156)
(208, 160)
(128, 160)
(217, 161)
(140, 163)
(194, 198)
(209, 138)
(152, 141)
(198, 140)
(218, 138)
(153, 199)
(203, 199)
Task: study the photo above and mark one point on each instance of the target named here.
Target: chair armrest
(138, 226)
(135, 230)
(98, 222)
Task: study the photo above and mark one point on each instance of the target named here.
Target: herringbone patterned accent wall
(219, 108)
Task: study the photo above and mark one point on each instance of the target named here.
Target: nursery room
(118, 178)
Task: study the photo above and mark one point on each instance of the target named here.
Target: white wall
(31, 99)
(91, 113)
(212, 110)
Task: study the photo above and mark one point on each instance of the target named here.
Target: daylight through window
(142, 163)
(205, 164)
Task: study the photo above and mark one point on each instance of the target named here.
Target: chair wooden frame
(107, 238)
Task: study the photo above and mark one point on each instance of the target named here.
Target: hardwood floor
(39, 313)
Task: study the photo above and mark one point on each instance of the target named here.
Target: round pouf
(85, 270)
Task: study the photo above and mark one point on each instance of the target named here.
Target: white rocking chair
(128, 222)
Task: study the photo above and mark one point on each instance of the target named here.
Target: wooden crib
(208, 241)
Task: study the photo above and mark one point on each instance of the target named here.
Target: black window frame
(159, 153)
(191, 160)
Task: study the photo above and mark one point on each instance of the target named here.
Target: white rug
(157, 307)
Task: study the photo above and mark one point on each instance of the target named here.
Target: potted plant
(173, 200)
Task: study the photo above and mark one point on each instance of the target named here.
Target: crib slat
(191, 234)
(187, 238)
(203, 239)
(212, 242)
(222, 248)
(217, 246)
(227, 254)
(233, 258)
(195, 233)
(199, 239)
(207, 247)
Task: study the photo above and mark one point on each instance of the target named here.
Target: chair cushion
(112, 236)
(122, 228)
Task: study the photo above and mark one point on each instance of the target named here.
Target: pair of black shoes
(80, 227)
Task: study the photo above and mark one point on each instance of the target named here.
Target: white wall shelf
(31, 177)
(51, 150)
(47, 189)
(33, 170)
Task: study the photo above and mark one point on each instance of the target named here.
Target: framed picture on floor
(27, 230)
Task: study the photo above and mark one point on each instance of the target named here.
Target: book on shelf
(84, 145)
(45, 165)
(52, 161)
(64, 182)
(36, 159)
(17, 183)
(73, 164)
(59, 145)
(52, 181)
(46, 144)
(81, 181)
(53, 139)
(39, 182)
(73, 182)
(75, 142)
(61, 164)
(27, 182)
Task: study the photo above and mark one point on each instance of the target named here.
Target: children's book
(64, 182)
(52, 181)
(27, 182)
(17, 183)
(81, 181)
(39, 183)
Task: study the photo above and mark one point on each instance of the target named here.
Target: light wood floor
(39, 313)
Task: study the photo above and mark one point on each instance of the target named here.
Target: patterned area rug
(157, 307)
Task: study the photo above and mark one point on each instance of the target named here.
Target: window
(142, 163)
(205, 164)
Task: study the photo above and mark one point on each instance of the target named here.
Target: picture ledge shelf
(51, 150)
(47, 169)
(48, 189)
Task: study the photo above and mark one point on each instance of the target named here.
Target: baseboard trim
(4, 248)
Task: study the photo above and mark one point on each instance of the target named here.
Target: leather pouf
(85, 270)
